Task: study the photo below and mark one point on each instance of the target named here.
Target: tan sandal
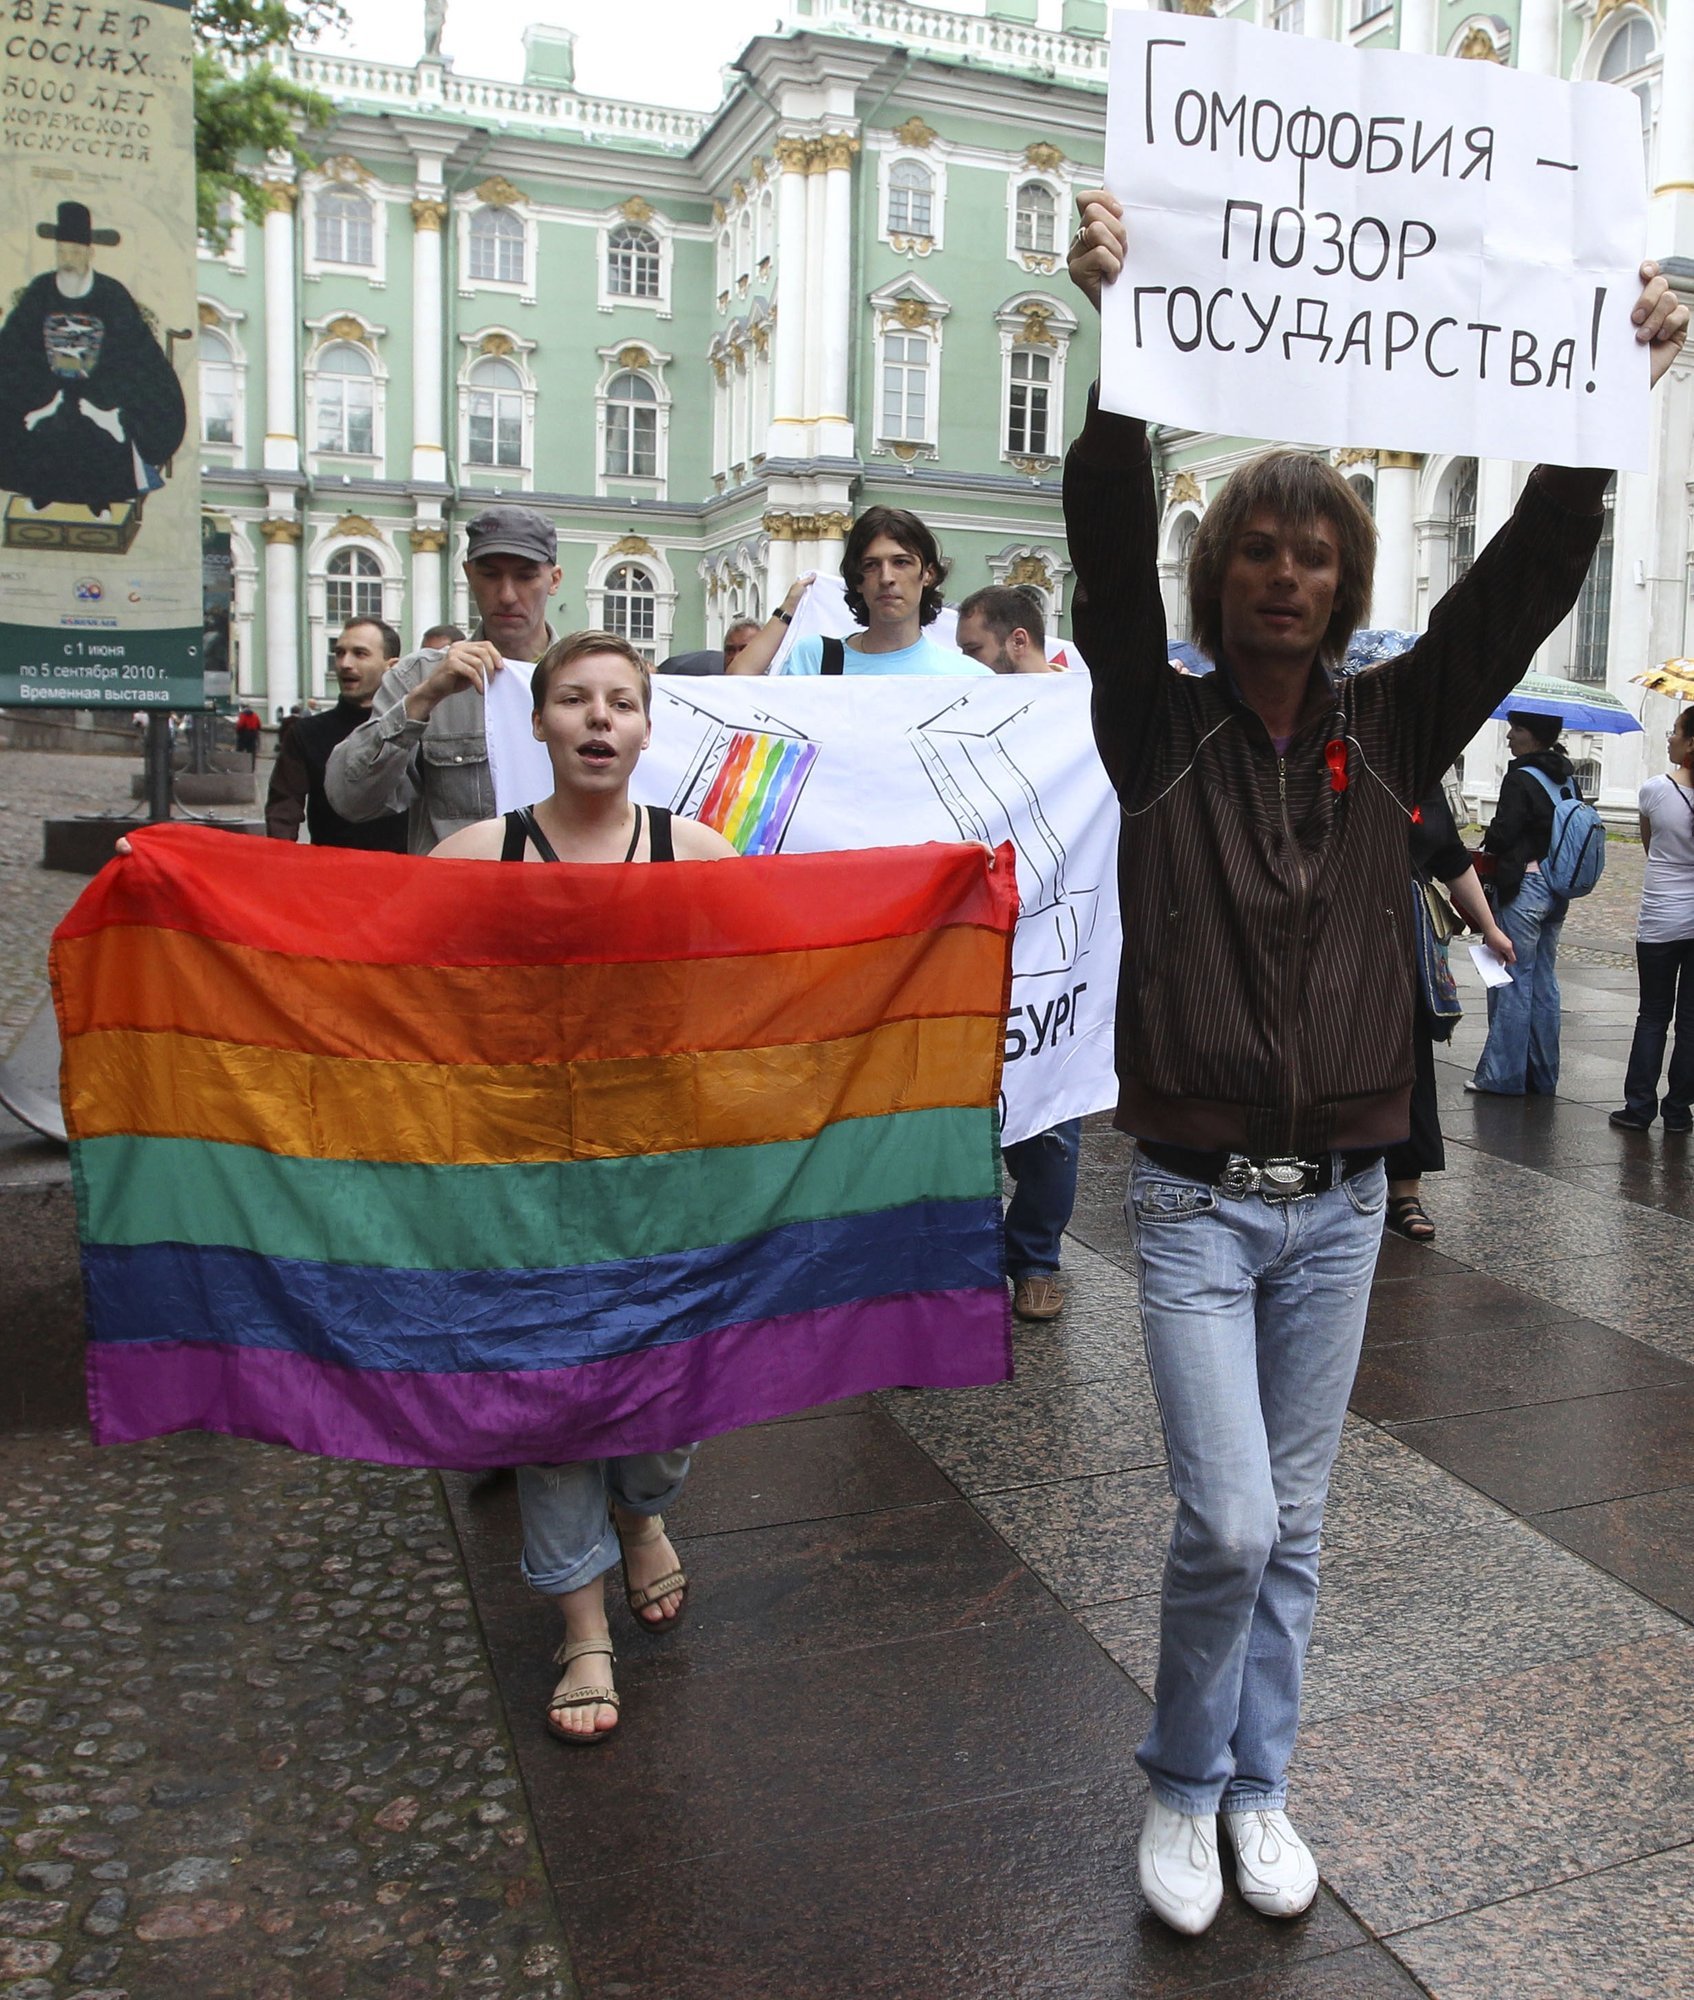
(673, 1583)
(583, 1697)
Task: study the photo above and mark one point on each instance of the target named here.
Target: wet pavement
(272, 1726)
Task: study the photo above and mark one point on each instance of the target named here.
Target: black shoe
(1630, 1121)
(1679, 1127)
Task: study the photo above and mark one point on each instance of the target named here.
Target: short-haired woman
(592, 695)
(1664, 946)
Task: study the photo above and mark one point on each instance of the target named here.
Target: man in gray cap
(424, 750)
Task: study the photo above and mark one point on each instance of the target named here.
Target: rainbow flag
(461, 1164)
(752, 797)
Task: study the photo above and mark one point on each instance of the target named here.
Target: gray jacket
(436, 772)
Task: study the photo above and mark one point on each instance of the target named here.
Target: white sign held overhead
(1334, 246)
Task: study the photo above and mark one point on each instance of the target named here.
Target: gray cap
(512, 531)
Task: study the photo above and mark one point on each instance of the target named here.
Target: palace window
(1037, 221)
(630, 606)
(217, 388)
(494, 414)
(905, 386)
(1289, 16)
(346, 401)
(632, 428)
(343, 233)
(1624, 61)
(496, 247)
(352, 587)
(1027, 403)
(911, 199)
(632, 263)
(1594, 604)
(1461, 521)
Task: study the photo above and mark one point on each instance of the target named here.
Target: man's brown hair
(576, 646)
(1006, 608)
(1300, 490)
(914, 537)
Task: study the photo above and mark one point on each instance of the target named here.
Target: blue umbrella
(1181, 654)
(1589, 708)
(1375, 644)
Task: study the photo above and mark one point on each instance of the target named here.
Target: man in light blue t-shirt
(893, 572)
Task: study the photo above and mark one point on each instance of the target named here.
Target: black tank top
(523, 828)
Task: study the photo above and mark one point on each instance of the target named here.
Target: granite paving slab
(1449, 1302)
(1024, 1434)
(1420, 1810)
(1091, 1540)
(1458, 1374)
(1627, 1932)
(1661, 1176)
(1505, 1222)
(1649, 1542)
(1650, 1297)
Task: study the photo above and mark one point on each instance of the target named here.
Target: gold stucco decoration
(282, 195)
(1186, 488)
(284, 530)
(911, 313)
(428, 214)
(1356, 454)
(636, 210)
(792, 154)
(427, 541)
(209, 315)
(1044, 158)
(634, 356)
(498, 192)
(1030, 570)
(355, 524)
(915, 133)
(1035, 331)
(346, 327)
(632, 545)
(1478, 46)
(497, 343)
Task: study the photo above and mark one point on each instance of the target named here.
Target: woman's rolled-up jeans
(568, 1537)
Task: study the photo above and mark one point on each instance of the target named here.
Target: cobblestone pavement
(251, 1741)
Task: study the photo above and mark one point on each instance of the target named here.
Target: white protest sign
(803, 766)
(1334, 246)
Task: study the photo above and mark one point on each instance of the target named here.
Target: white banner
(1346, 247)
(803, 766)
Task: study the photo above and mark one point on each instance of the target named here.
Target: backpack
(1576, 854)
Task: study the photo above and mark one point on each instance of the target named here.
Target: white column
(1495, 494)
(429, 457)
(790, 331)
(1417, 26)
(812, 395)
(425, 606)
(1670, 221)
(780, 570)
(834, 436)
(1320, 19)
(1537, 46)
(282, 611)
(282, 316)
(1394, 602)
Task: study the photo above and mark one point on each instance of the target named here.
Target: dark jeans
(1422, 1151)
(1666, 972)
(1044, 1167)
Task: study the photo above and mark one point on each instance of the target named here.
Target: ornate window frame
(496, 192)
(350, 531)
(1648, 78)
(495, 343)
(639, 550)
(343, 174)
(216, 317)
(1044, 165)
(349, 329)
(633, 357)
(906, 306)
(1176, 541)
(640, 214)
(1038, 566)
(1035, 321)
(926, 154)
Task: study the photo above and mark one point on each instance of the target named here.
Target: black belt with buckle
(1237, 1176)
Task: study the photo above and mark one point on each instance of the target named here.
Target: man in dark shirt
(363, 654)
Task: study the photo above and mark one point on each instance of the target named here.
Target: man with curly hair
(893, 570)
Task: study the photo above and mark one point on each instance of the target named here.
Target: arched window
(1182, 549)
(1624, 59)
(905, 386)
(344, 233)
(1363, 485)
(217, 388)
(497, 247)
(1594, 605)
(632, 428)
(1038, 217)
(1028, 399)
(352, 587)
(1461, 521)
(911, 199)
(744, 245)
(346, 399)
(630, 606)
(632, 263)
(494, 429)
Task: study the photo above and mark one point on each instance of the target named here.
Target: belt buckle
(1239, 1178)
(1287, 1180)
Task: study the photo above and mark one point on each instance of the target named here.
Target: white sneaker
(1180, 1876)
(1274, 1869)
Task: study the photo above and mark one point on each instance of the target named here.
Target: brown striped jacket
(1265, 993)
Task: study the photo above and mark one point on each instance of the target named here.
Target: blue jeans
(1253, 1314)
(1522, 1050)
(1666, 972)
(1044, 1168)
(568, 1537)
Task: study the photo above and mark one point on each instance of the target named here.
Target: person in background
(247, 731)
(439, 637)
(1004, 628)
(1664, 946)
(1439, 855)
(1521, 1055)
(363, 654)
(736, 640)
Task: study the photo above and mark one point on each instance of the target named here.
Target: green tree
(253, 108)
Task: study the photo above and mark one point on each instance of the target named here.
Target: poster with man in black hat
(90, 406)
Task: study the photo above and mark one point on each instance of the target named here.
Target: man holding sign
(1264, 1030)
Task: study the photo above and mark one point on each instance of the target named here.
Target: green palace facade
(700, 343)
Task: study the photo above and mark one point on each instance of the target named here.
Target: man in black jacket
(363, 654)
(1264, 1033)
(1522, 1050)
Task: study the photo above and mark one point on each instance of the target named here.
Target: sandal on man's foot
(1406, 1218)
(565, 1697)
(674, 1583)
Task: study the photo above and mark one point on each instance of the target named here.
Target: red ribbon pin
(1335, 756)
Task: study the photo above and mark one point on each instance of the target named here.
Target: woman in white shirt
(1664, 946)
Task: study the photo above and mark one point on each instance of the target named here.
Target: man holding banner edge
(1264, 1032)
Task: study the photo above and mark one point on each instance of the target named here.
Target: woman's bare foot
(584, 1613)
(649, 1557)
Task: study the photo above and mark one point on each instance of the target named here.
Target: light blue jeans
(1253, 1314)
(1522, 1050)
(568, 1537)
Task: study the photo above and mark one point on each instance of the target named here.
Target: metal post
(158, 767)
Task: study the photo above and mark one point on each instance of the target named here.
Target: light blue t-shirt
(925, 657)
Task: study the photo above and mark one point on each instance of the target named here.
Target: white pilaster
(1320, 19)
(429, 215)
(833, 437)
(282, 317)
(1536, 47)
(788, 411)
(813, 392)
(428, 545)
(1394, 603)
(1670, 218)
(1417, 26)
(282, 609)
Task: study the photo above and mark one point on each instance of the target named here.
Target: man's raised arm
(373, 770)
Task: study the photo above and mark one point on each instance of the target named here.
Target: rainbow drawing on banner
(452, 1164)
(745, 779)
